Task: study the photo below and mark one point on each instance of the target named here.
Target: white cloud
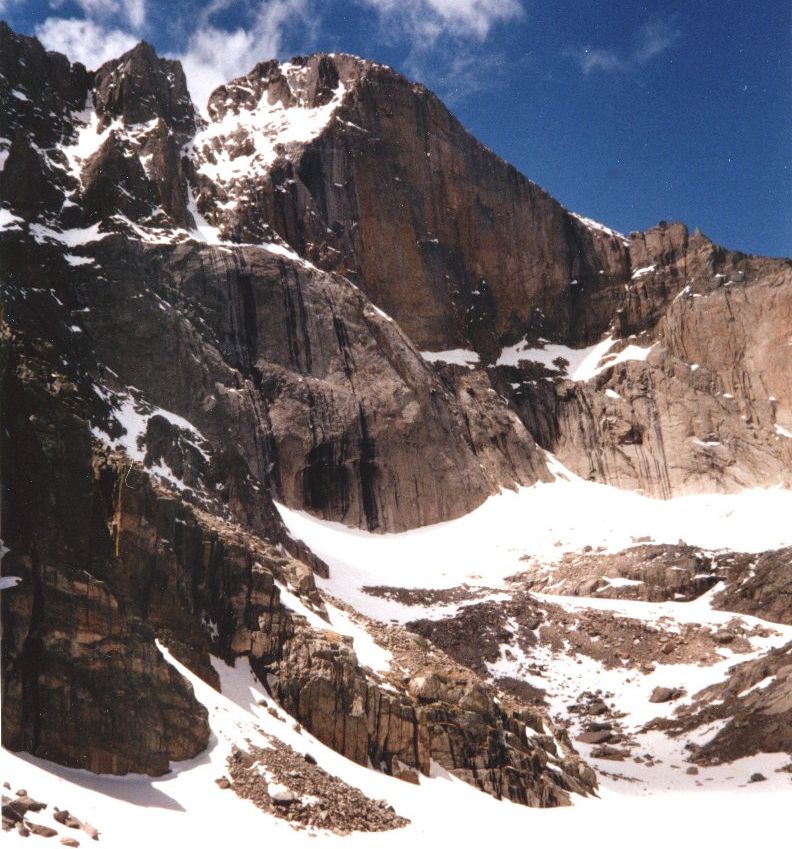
(430, 19)
(652, 39)
(84, 41)
(214, 56)
(133, 12)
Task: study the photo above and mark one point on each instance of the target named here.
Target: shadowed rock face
(760, 585)
(83, 682)
(323, 396)
(327, 401)
(140, 87)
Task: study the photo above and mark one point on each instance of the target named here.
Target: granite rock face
(382, 185)
(658, 426)
(391, 191)
(325, 398)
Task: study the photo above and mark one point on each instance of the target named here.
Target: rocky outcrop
(759, 585)
(517, 632)
(35, 86)
(755, 584)
(144, 102)
(139, 87)
(753, 710)
(445, 715)
(644, 572)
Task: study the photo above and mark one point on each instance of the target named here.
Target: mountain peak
(141, 86)
(305, 81)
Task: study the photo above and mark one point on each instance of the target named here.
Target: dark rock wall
(83, 682)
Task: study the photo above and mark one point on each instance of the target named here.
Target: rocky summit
(342, 465)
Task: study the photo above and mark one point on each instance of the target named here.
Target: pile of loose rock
(16, 816)
(601, 727)
(293, 787)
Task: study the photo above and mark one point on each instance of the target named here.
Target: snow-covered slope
(187, 807)
(544, 522)
(454, 573)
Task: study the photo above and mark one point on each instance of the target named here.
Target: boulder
(665, 694)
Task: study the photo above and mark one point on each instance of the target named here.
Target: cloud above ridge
(214, 51)
(84, 40)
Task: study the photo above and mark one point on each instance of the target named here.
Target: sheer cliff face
(386, 187)
(330, 218)
(321, 393)
(369, 175)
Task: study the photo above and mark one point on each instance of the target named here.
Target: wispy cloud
(448, 44)
(595, 59)
(652, 39)
(432, 19)
(458, 75)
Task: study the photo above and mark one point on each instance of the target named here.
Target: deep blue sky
(626, 112)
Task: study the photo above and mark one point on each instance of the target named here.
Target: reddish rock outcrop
(394, 193)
